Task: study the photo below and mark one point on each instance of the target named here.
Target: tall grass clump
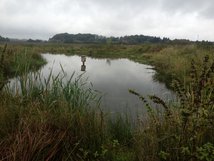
(46, 121)
(185, 131)
(3, 66)
(54, 118)
(173, 61)
(15, 60)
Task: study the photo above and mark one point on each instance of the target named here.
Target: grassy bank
(16, 60)
(63, 121)
(174, 62)
(170, 60)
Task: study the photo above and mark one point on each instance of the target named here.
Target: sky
(41, 19)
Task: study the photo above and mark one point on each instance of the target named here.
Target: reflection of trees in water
(108, 61)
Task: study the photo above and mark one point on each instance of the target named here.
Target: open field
(59, 122)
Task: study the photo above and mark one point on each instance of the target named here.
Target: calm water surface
(113, 78)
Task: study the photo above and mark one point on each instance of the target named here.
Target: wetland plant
(186, 128)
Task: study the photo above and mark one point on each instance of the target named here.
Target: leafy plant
(187, 125)
(205, 152)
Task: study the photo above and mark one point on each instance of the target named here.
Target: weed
(185, 127)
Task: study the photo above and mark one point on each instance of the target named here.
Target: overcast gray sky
(41, 19)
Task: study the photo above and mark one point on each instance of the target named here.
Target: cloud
(184, 6)
(43, 18)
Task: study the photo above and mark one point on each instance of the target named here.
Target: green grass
(63, 121)
(17, 60)
(55, 120)
(174, 61)
(185, 131)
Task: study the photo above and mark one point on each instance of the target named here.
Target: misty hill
(93, 38)
(3, 39)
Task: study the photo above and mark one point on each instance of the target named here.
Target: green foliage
(92, 38)
(120, 130)
(163, 155)
(3, 67)
(53, 120)
(205, 152)
(18, 60)
(185, 130)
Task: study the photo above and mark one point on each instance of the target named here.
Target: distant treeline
(132, 39)
(98, 39)
(92, 38)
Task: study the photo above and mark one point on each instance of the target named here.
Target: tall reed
(53, 119)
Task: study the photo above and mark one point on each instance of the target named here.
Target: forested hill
(92, 38)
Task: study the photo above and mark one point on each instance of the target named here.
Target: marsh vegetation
(59, 120)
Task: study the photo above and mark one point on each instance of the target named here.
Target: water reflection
(108, 61)
(112, 78)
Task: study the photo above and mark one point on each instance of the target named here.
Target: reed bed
(53, 119)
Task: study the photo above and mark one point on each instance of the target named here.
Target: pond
(112, 78)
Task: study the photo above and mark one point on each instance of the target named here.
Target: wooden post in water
(83, 60)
